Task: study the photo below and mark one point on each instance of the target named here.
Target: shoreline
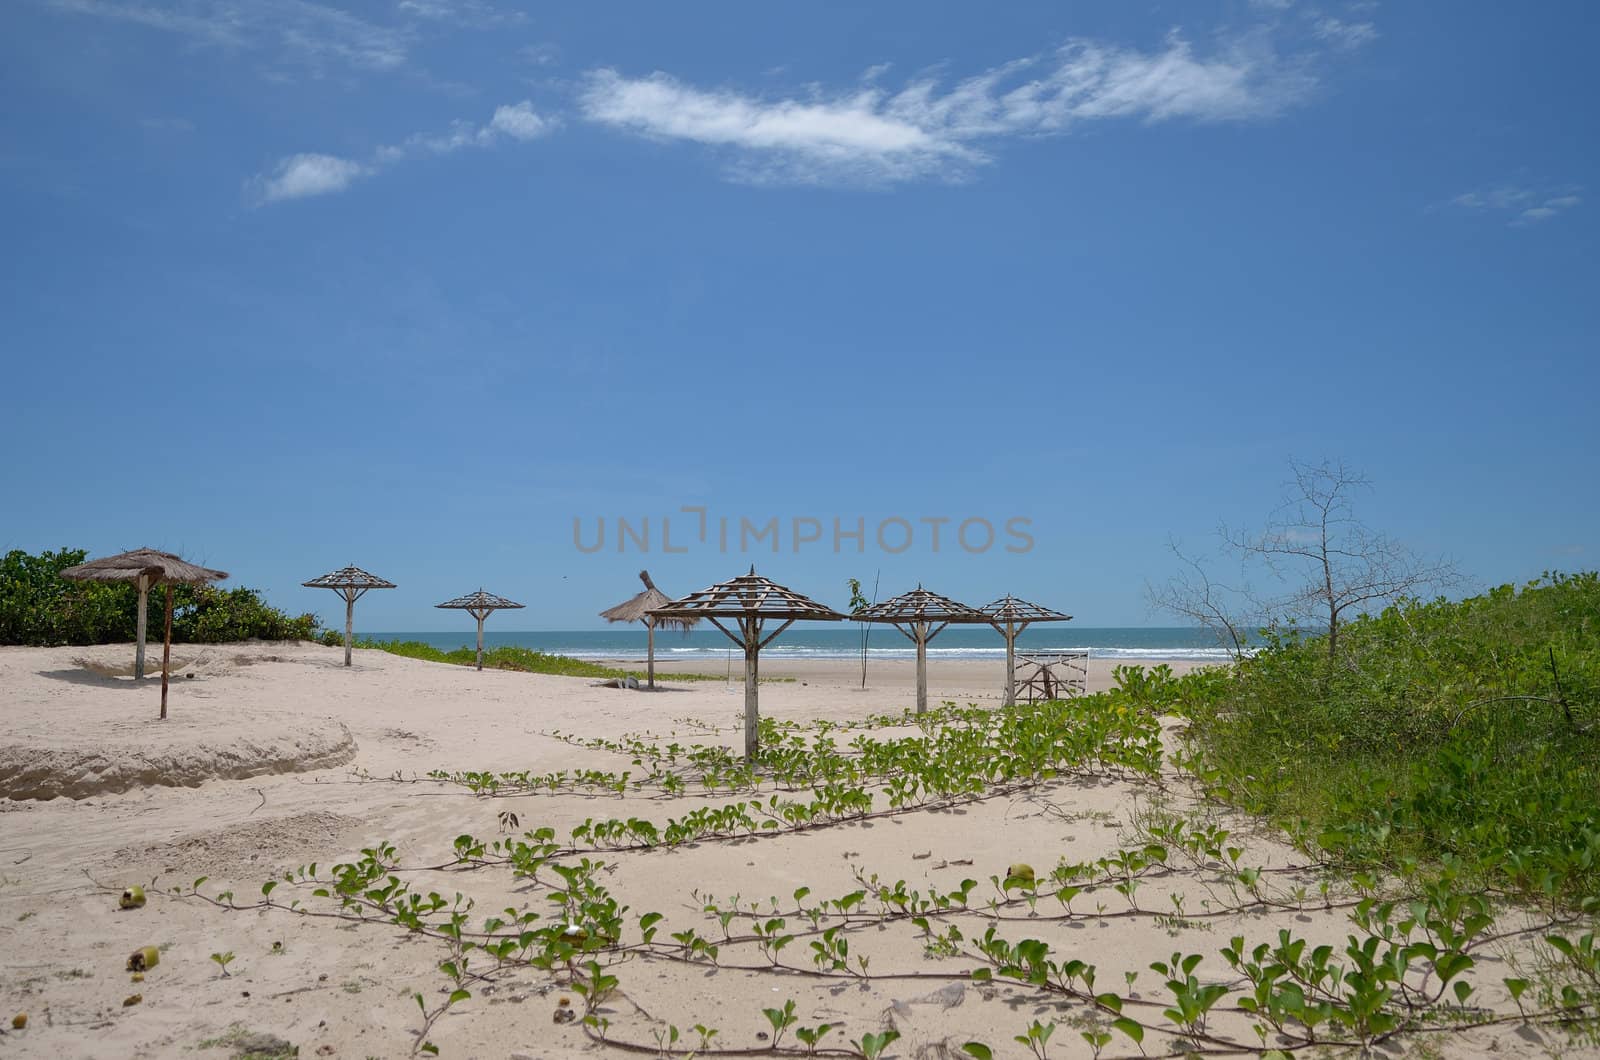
(975, 680)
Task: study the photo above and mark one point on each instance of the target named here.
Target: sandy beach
(282, 758)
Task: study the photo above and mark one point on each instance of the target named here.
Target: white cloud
(1528, 203)
(301, 176)
(519, 121)
(868, 134)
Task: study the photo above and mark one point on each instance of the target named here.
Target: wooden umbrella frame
(1010, 616)
(480, 605)
(352, 583)
(921, 615)
(749, 602)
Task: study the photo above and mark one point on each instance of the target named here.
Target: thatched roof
(1009, 609)
(349, 578)
(637, 608)
(748, 596)
(919, 605)
(162, 568)
(479, 601)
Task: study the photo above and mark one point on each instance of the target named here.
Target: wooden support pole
(349, 623)
(142, 621)
(650, 655)
(922, 666)
(1011, 664)
(166, 654)
(752, 685)
(480, 615)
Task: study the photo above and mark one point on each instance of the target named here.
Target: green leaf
(978, 1051)
(1132, 1029)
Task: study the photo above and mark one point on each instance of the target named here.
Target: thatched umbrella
(638, 608)
(751, 601)
(480, 605)
(351, 583)
(147, 568)
(921, 616)
(1011, 616)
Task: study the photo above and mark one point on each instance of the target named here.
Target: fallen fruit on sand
(132, 898)
(132, 999)
(138, 977)
(1021, 871)
(19, 1021)
(143, 959)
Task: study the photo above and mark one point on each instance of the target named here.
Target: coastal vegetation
(1436, 773)
(39, 608)
(1457, 737)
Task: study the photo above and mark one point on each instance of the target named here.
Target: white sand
(337, 989)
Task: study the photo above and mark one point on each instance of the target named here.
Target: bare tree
(1333, 564)
(1230, 612)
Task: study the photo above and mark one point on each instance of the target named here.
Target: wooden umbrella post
(1011, 664)
(650, 653)
(752, 687)
(480, 615)
(141, 622)
(166, 654)
(349, 622)
(921, 629)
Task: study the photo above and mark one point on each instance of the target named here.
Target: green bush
(39, 607)
(1462, 732)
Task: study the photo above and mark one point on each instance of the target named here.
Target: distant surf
(1133, 644)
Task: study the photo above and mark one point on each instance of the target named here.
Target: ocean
(884, 642)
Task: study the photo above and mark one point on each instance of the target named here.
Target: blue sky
(416, 285)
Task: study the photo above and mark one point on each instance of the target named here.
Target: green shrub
(38, 607)
(1447, 731)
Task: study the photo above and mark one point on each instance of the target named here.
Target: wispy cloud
(473, 13)
(927, 129)
(304, 175)
(1526, 204)
(298, 33)
(1343, 34)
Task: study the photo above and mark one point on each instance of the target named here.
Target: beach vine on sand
(1426, 948)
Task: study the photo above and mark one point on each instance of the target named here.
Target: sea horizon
(1126, 643)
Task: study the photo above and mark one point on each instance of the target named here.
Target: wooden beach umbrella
(638, 608)
(147, 568)
(748, 603)
(1011, 616)
(921, 616)
(480, 605)
(351, 583)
